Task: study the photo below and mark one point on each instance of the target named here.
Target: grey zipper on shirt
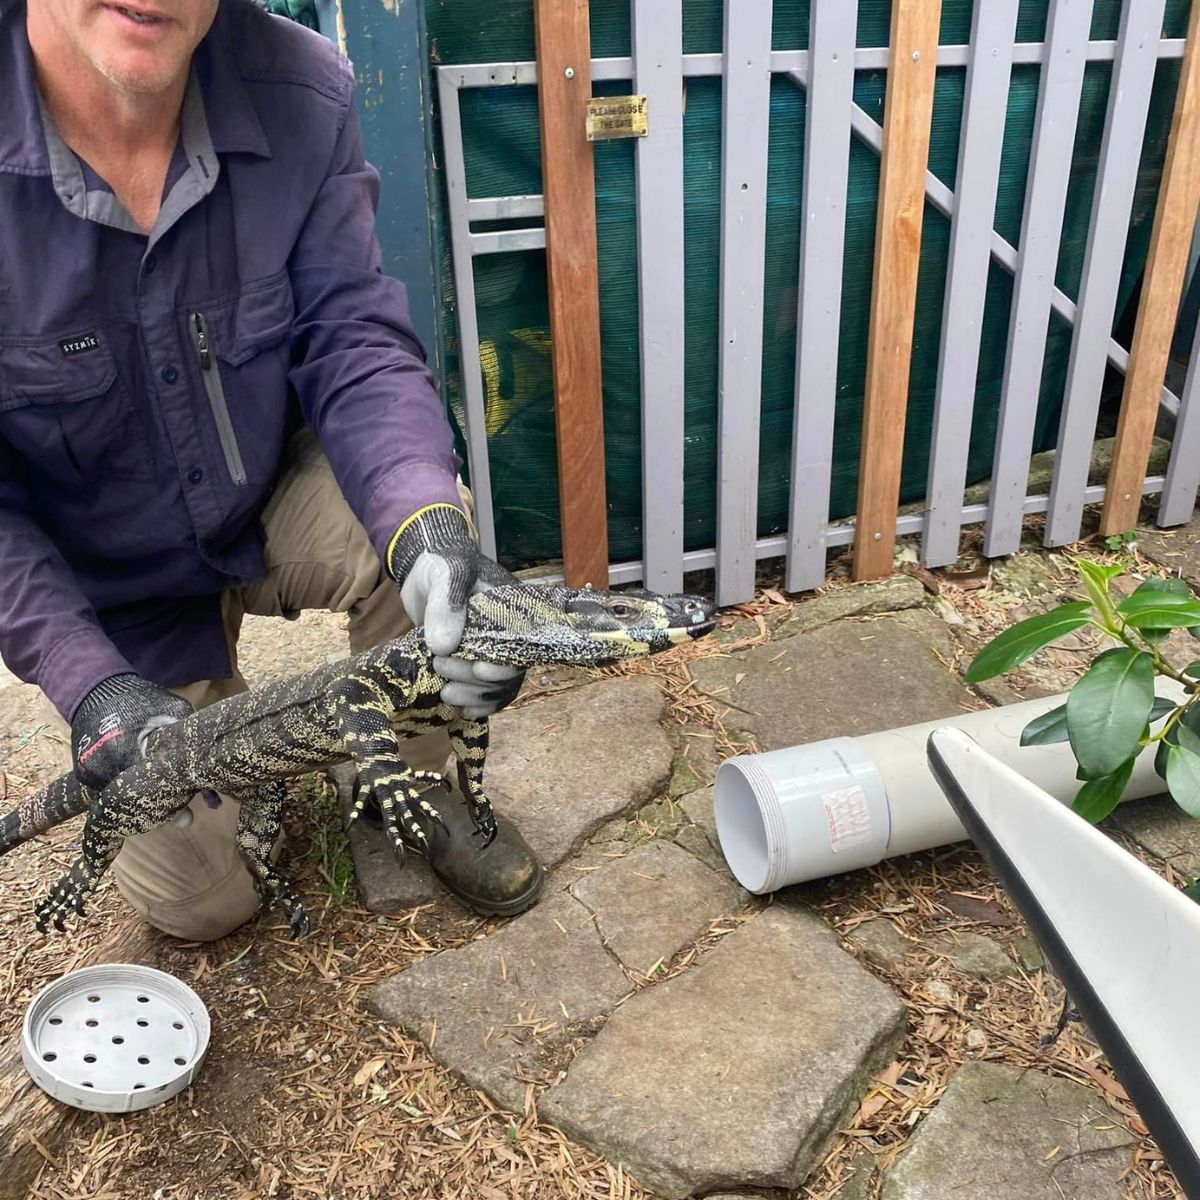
(210, 372)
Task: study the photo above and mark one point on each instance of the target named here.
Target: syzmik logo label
(80, 345)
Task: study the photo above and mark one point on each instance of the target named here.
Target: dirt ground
(304, 1094)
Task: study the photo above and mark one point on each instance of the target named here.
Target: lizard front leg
(363, 714)
(469, 741)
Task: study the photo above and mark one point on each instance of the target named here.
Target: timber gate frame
(563, 223)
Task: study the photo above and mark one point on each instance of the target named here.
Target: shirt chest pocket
(65, 410)
(242, 353)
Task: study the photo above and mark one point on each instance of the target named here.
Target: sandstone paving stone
(859, 600)
(695, 766)
(732, 1075)
(384, 886)
(1029, 953)
(699, 835)
(496, 1010)
(736, 631)
(1025, 574)
(504, 1007)
(857, 1178)
(940, 992)
(694, 840)
(880, 942)
(653, 901)
(561, 768)
(991, 1137)
(849, 678)
(1162, 827)
(942, 608)
(698, 808)
(974, 954)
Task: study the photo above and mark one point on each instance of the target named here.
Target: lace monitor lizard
(358, 708)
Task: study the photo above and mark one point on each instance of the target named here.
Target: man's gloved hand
(437, 566)
(105, 727)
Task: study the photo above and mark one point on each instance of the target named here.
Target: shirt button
(195, 475)
(169, 374)
(150, 263)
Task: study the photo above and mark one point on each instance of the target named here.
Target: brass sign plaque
(616, 117)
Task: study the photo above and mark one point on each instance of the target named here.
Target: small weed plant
(329, 850)
(1112, 713)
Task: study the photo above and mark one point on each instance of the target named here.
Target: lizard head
(524, 625)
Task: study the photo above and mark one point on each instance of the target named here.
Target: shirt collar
(233, 121)
(99, 204)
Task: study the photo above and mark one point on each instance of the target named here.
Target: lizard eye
(620, 610)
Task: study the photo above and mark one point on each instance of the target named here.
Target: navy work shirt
(148, 383)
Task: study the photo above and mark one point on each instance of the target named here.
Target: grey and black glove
(437, 565)
(106, 725)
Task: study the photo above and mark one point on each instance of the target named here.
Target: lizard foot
(364, 800)
(399, 803)
(274, 889)
(67, 896)
(484, 820)
(293, 910)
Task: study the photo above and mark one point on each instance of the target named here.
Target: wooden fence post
(568, 184)
(1174, 218)
(908, 111)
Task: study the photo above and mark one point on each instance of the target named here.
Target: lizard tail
(63, 799)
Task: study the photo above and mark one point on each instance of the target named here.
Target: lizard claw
(416, 833)
(432, 813)
(298, 924)
(485, 823)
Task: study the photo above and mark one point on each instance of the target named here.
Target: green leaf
(1189, 739)
(1156, 584)
(1049, 727)
(1015, 645)
(1192, 670)
(1096, 579)
(1189, 720)
(1174, 585)
(1108, 709)
(1098, 797)
(1183, 773)
(1158, 609)
(1160, 754)
(1154, 636)
(1161, 707)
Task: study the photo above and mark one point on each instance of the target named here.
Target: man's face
(143, 46)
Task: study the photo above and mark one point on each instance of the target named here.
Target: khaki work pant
(187, 877)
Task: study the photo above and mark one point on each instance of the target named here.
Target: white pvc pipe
(791, 815)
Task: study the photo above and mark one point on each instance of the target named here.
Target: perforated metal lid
(115, 1037)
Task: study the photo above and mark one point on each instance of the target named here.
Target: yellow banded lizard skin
(359, 708)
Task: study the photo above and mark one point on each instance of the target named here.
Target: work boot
(502, 879)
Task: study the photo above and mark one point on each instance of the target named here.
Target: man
(211, 403)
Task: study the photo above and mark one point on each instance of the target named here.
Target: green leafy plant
(1117, 542)
(329, 850)
(1112, 713)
